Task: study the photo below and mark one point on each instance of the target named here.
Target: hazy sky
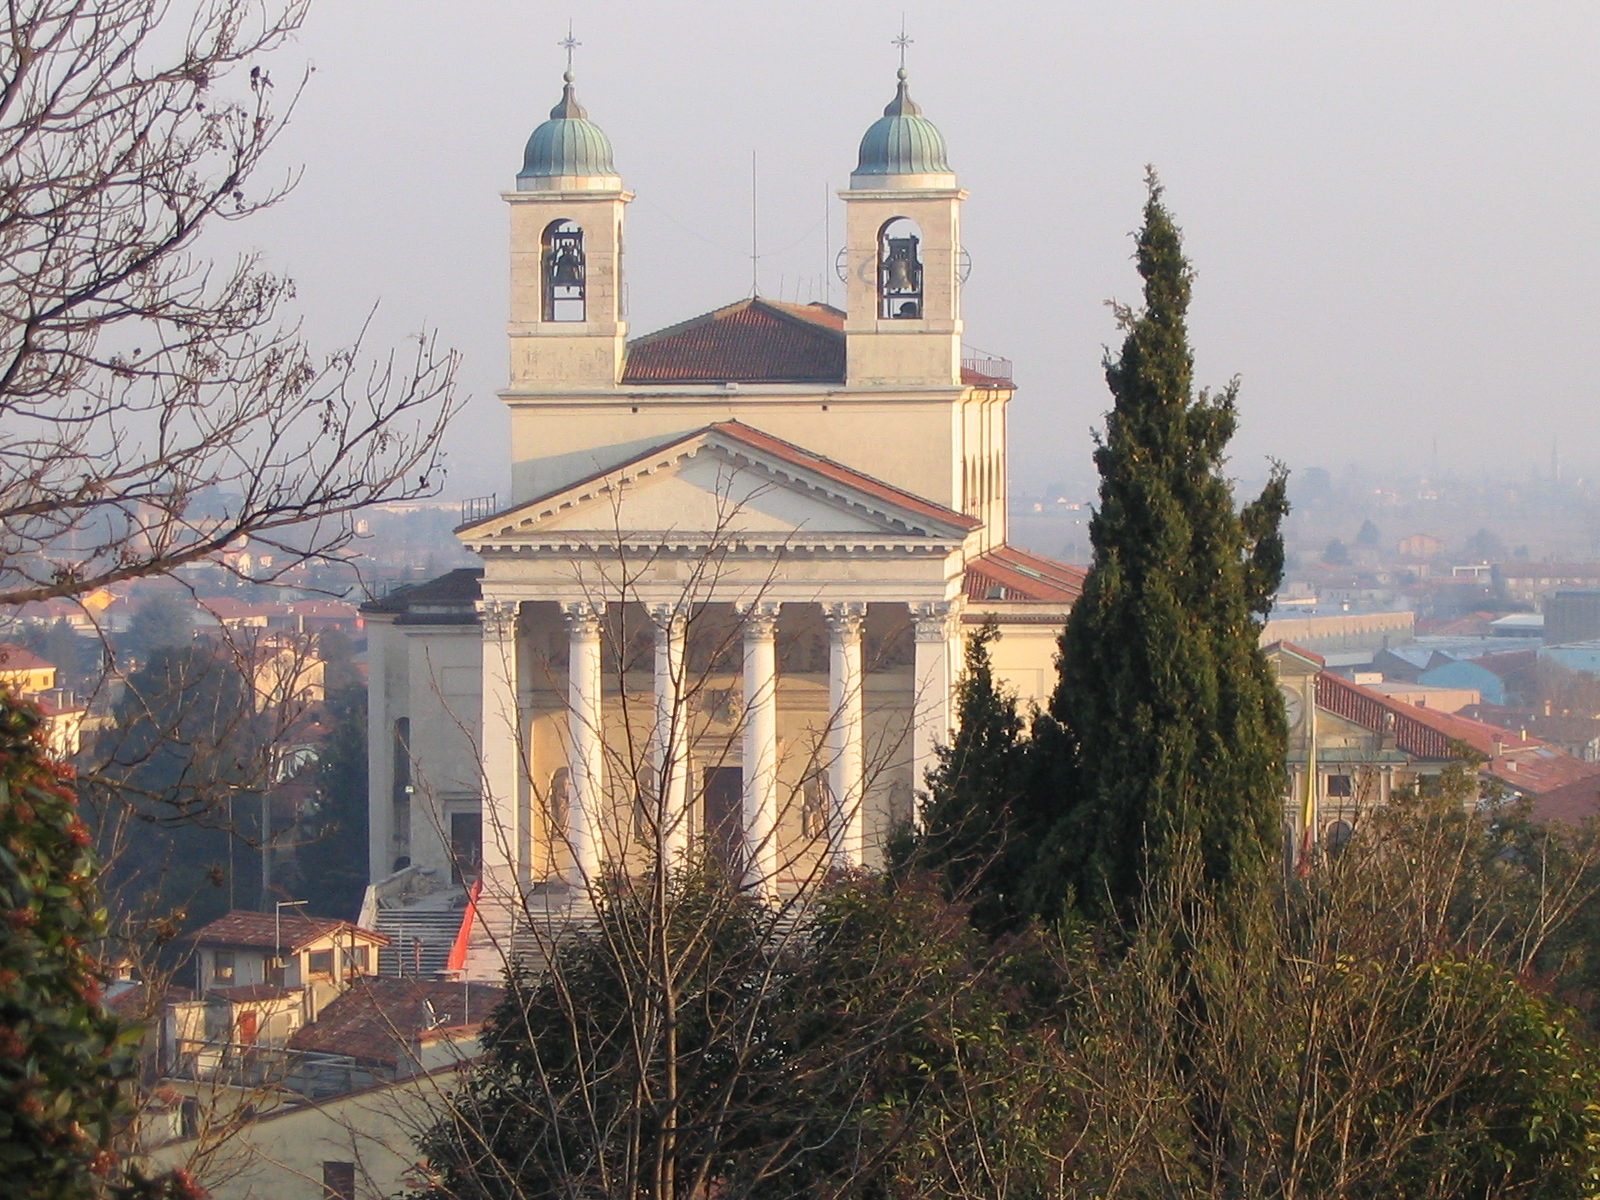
(1392, 207)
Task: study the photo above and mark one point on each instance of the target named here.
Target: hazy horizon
(1391, 212)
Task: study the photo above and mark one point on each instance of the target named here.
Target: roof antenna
(755, 275)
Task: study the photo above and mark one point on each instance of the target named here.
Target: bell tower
(902, 257)
(567, 329)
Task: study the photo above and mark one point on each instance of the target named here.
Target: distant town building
(1572, 615)
(1420, 547)
(25, 675)
(1529, 583)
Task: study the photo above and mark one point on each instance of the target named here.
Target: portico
(653, 702)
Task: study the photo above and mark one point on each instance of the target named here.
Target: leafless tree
(155, 406)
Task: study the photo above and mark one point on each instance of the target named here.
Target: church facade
(726, 603)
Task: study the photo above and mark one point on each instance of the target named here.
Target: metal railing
(994, 368)
(479, 507)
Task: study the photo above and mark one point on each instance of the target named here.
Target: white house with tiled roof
(725, 603)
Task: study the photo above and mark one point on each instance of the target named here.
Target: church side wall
(444, 703)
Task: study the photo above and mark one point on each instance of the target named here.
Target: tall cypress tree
(1170, 729)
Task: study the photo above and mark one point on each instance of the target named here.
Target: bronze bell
(568, 270)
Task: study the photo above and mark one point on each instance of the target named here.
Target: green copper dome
(567, 145)
(901, 142)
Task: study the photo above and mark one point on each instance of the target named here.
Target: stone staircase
(420, 938)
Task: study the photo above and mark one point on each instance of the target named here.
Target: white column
(760, 745)
(584, 716)
(500, 738)
(932, 674)
(380, 753)
(846, 837)
(671, 734)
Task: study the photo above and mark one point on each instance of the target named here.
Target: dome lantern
(568, 152)
(902, 149)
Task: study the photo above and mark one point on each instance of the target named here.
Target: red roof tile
(1021, 576)
(260, 930)
(753, 341)
(972, 378)
(1571, 804)
(1524, 763)
(15, 658)
(379, 1017)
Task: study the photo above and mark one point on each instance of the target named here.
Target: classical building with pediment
(725, 606)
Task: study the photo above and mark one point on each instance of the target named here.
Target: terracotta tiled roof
(973, 378)
(1572, 804)
(259, 931)
(379, 1017)
(1017, 575)
(839, 473)
(15, 658)
(1521, 762)
(753, 341)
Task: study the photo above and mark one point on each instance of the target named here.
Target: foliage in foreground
(63, 1058)
(1386, 1036)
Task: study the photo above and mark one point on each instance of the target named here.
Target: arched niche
(900, 270)
(564, 272)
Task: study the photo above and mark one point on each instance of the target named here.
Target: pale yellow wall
(444, 701)
(562, 355)
(902, 353)
(280, 1156)
(910, 442)
(1023, 658)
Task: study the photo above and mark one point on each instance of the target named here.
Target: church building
(726, 604)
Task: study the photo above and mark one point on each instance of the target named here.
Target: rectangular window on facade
(338, 1181)
(355, 959)
(1339, 786)
(320, 962)
(222, 967)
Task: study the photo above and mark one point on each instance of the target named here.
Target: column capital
(844, 618)
(760, 620)
(931, 620)
(498, 619)
(583, 618)
(668, 616)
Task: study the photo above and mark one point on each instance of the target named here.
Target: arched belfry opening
(900, 270)
(565, 274)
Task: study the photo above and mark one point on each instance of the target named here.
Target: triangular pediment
(726, 480)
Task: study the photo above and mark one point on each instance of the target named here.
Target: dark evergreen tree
(1167, 721)
(971, 818)
(333, 862)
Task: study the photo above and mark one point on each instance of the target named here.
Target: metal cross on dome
(902, 41)
(569, 43)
